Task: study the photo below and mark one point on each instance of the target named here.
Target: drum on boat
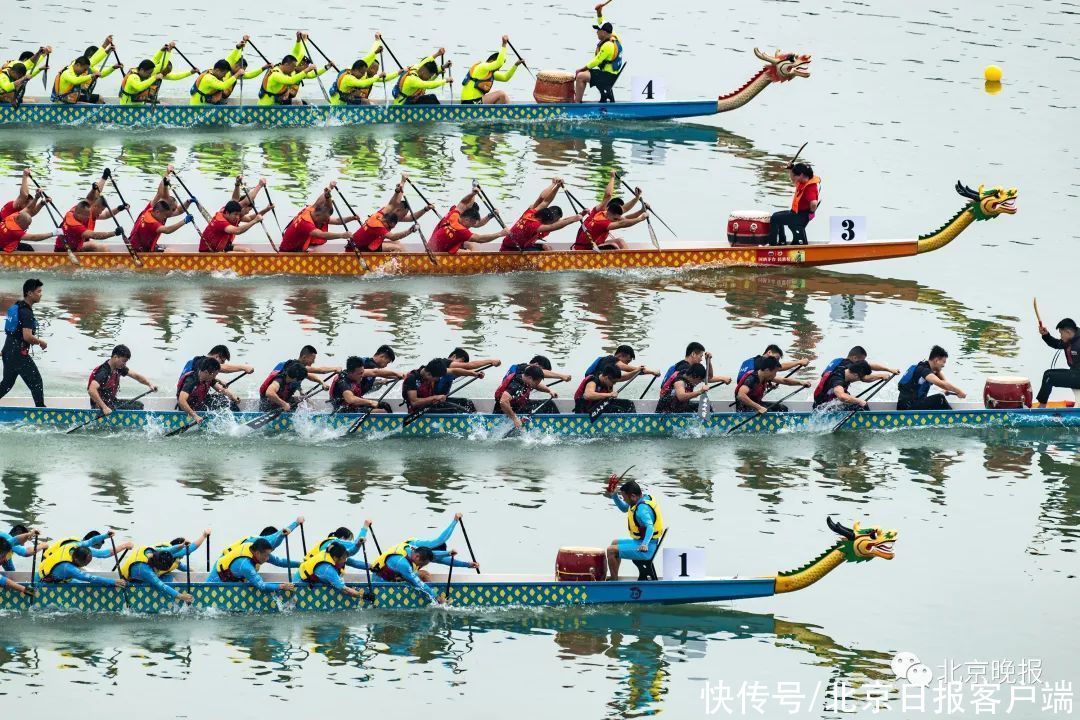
(580, 564)
(1007, 393)
(554, 86)
(748, 226)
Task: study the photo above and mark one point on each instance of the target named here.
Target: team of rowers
(414, 84)
(77, 229)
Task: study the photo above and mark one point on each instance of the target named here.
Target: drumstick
(1035, 302)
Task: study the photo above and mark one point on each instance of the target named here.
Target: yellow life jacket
(314, 559)
(631, 521)
(281, 97)
(483, 83)
(8, 96)
(614, 65)
(402, 549)
(140, 555)
(70, 96)
(142, 96)
(232, 553)
(58, 552)
(400, 98)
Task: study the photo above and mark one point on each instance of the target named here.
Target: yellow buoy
(992, 73)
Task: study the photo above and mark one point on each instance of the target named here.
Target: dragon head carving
(784, 66)
(860, 544)
(987, 203)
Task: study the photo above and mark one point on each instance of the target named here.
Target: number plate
(684, 563)
(847, 228)
(645, 89)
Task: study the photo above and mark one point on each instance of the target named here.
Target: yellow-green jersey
(411, 87)
(483, 75)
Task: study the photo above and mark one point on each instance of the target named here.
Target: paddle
(876, 388)
(449, 79)
(413, 417)
(649, 387)
(273, 210)
(472, 555)
(267, 418)
(187, 566)
(371, 531)
(449, 576)
(796, 158)
(288, 559)
(207, 544)
(1038, 317)
(49, 207)
(33, 570)
(791, 394)
(45, 73)
(603, 406)
(382, 66)
(349, 243)
(123, 235)
(514, 49)
(257, 50)
(318, 77)
(266, 230)
(202, 210)
(648, 207)
(112, 541)
(367, 572)
(392, 55)
(360, 420)
(184, 428)
(528, 416)
(101, 415)
(303, 540)
(185, 57)
(489, 205)
(579, 208)
(424, 200)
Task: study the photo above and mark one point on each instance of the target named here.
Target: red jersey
(214, 238)
(450, 234)
(10, 233)
(370, 236)
(144, 234)
(596, 223)
(73, 232)
(8, 209)
(297, 235)
(525, 233)
(805, 193)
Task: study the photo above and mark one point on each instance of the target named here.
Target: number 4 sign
(847, 228)
(644, 89)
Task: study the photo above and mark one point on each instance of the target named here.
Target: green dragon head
(861, 544)
(987, 203)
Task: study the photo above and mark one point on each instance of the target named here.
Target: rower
(79, 222)
(163, 64)
(376, 235)
(5, 559)
(240, 563)
(695, 354)
(915, 385)
(1068, 339)
(610, 214)
(311, 226)
(223, 356)
(14, 235)
(135, 88)
(13, 80)
(19, 540)
(352, 543)
(405, 562)
(104, 383)
(833, 387)
(327, 567)
(353, 86)
(752, 386)
(621, 359)
(454, 233)
(194, 395)
(279, 391)
(281, 83)
(536, 223)
(856, 354)
(307, 356)
(645, 522)
(65, 559)
(74, 84)
(12, 207)
(597, 387)
(236, 61)
(31, 61)
(271, 534)
(348, 388)
(803, 206)
(414, 82)
(462, 366)
(512, 395)
(227, 223)
(151, 222)
(603, 70)
(20, 334)
(482, 76)
(154, 565)
(418, 389)
(679, 389)
(774, 351)
(214, 86)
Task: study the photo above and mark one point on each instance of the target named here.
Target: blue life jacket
(599, 362)
(11, 320)
(910, 384)
(749, 365)
(443, 384)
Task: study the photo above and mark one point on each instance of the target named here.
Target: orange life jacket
(800, 190)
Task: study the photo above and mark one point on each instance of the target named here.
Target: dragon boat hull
(239, 598)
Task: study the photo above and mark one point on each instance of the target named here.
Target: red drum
(578, 564)
(554, 86)
(748, 226)
(1007, 393)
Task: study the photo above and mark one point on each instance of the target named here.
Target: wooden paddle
(392, 55)
(359, 422)
(367, 572)
(603, 406)
(1035, 303)
(356, 251)
(318, 77)
(349, 243)
(382, 68)
(123, 235)
(875, 389)
(472, 555)
(243, 189)
(101, 415)
(303, 540)
(267, 418)
(427, 248)
(202, 210)
(49, 207)
(187, 566)
(754, 415)
(514, 49)
(413, 417)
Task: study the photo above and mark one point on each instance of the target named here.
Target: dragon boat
(333, 259)
(854, 545)
(160, 417)
(177, 113)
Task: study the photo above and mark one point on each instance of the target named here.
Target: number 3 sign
(847, 228)
(643, 89)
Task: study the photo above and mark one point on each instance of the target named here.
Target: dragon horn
(840, 529)
(765, 58)
(964, 191)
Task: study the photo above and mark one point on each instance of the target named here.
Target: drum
(1007, 392)
(554, 86)
(580, 564)
(748, 226)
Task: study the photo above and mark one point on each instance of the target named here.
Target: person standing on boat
(535, 224)
(643, 519)
(14, 235)
(804, 204)
(603, 70)
(482, 76)
(454, 233)
(405, 562)
(833, 388)
(6, 582)
(240, 563)
(752, 386)
(65, 559)
(1068, 340)
(348, 388)
(20, 333)
(916, 383)
(104, 383)
(415, 81)
(610, 214)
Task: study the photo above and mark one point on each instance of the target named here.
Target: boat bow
(856, 545)
(983, 204)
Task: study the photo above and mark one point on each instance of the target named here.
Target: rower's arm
(68, 571)
(100, 56)
(467, 201)
(619, 502)
(442, 538)
(245, 569)
(744, 398)
(211, 84)
(372, 53)
(844, 396)
(182, 403)
(330, 576)
(358, 564)
(442, 557)
(403, 567)
(684, 392)
(235, 55)
(487, 237)
(69, 77)
(628, 221)
(506, 75)
(180, 74)
(142, 574)
(95, 396)
(883, 368)
(592, 394)
(1053, 342)
(272, 395)
(560, 224)
(646, 518)
(170, 229)
(281, 562)
(791, 381)
(507, 406)
(941, 382)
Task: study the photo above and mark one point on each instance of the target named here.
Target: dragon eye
(873, 534)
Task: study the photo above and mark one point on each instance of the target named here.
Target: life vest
(9, 96)
(679, 367)
(73, 94)
(513, 384)
(579, 394)
(59, 552)
(353, 96)
(214, 238)
(287, 388)
(483, 84)
(189, 367)
(282, 96)
(399, 89)
(800, 191)
(820, 392)
(340, 384)
(314, 559)
(637, 531)
(11, 320)
(145, 233)
(379, 566)
(197, 395)
(669, 401)
(369, 236)
(142, 555)
(600, 363)
(73, 231)
(232, 553)
(525, 232)
(756, 388)
(911, 384)
(109, 388)
(292, 240)
(747, 366)
(142, 96)
(450, 233)
(11, 233)
(593, 230)
(213, 98)
(615, 64)
(424, 388)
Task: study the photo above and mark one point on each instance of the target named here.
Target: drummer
(482, 76)
(645, 522)
(916, 382)
(1068, 340)
(804, 204)
(603, 70)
